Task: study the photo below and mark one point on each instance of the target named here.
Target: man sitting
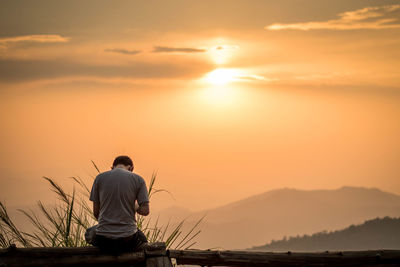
(117, 195)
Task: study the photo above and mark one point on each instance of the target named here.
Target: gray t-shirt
(116, 191)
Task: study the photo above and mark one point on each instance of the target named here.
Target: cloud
(15, 71)
(381, 17)
(123, 51)
(166, 49)
(226, 47)
(252, 77)
(39, 38)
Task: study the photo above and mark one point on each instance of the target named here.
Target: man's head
(123, 162)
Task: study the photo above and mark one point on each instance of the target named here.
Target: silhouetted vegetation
(64, 223)
(379, 233)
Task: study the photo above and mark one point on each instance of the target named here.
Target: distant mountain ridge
(288, 212)
(373, 234)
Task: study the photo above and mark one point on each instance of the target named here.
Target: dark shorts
(119, 245)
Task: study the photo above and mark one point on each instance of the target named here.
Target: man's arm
(96, 210)
(142, 205)
(94, 196)
(143, 209)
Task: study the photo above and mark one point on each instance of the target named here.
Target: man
(117, 195)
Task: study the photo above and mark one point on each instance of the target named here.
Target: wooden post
(158, 262)
(156, 259)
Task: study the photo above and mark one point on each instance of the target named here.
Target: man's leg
(141, 237)
(107, 245)
(136, 241)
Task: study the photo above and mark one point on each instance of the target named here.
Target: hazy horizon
(164, 203)
(269, 216)
(223, 99)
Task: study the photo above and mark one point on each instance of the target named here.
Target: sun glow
(223, 53)
(222, 76)
(219, 87)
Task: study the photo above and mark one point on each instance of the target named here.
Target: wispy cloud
(381, 17)
(166, 49)
(123, 51)
(252, 77)
(226, 47)
(14, 71)
(39, 38)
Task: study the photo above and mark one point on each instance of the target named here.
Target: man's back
(116, 191)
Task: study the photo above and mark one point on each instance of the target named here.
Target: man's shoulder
(137, 177)
(102, 174)
(112, 173)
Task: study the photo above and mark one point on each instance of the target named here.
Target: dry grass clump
(64, 223)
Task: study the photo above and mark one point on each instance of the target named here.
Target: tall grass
(64, 223)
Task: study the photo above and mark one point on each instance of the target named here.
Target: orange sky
(225, 99)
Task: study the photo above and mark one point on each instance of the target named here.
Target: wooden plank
(89, 256)
(92, 260)
(156, 255)
(251, 258)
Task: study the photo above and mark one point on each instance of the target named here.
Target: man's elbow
(144, 209)
(145, 213)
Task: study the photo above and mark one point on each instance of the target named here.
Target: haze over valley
(286, 212)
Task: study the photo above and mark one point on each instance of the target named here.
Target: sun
(221, 76)
(219, 89)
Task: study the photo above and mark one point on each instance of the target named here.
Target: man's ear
(112, 167)
(131, 168)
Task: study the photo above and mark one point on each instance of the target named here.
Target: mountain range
(379, 233)
(285, 212)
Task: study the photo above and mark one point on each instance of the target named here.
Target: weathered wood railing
(153, 256)
(252, 258)
(157, 255)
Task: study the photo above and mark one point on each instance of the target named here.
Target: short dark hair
(124, 160)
